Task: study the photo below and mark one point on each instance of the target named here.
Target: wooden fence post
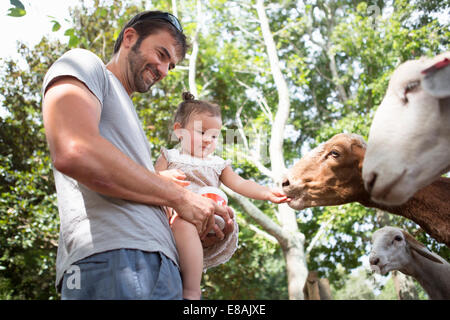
(316, 288)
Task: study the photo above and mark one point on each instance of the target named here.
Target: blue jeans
(123, 274)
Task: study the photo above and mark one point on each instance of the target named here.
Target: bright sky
(36, 23)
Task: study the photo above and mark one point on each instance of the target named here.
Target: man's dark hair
(147, 23)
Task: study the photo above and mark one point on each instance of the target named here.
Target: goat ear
(359, 151)
(419, 247)
(436, 80)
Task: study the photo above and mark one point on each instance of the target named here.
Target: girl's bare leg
(190, 252)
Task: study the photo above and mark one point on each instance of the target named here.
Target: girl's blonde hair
(191, 106)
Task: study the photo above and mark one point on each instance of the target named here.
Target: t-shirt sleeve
(82, 65)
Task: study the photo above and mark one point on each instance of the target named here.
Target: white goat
(395, 249)
(409, 140)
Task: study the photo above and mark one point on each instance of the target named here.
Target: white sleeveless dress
(202, 173)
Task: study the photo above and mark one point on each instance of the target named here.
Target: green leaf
(73, 42)
(16, 12)
(69, 32)
(17, 4)
(56, 25)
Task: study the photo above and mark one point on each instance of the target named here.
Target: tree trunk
(194, 53)
(175, 8)
(296, 268)
(293, 246)
(282, 114)
(316, 288)
(404, 286)
(291, 242)
(288, 235)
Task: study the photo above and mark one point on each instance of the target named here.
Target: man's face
(151, 60)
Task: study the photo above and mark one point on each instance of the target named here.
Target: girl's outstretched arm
(251, 189)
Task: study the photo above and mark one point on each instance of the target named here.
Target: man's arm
(161, 164)
(71, 117)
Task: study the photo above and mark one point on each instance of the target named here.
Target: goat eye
(411, 86)
(334, 154)
(398, 238)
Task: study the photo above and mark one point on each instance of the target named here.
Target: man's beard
(137, 66)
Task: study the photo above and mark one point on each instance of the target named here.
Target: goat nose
(285, 182)
(371, 182)
(374, 260)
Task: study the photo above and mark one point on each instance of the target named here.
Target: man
(114, 234)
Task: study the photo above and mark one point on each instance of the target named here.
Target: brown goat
(331, 174)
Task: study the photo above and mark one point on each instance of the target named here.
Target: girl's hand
(277, 196)
(176, 176)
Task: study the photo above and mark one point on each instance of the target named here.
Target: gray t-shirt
(89, 221)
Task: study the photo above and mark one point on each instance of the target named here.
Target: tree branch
(281, 117)
(319, 234)
(263, 220)
(193, 57)
(241, 128)
(248, 154)
(264, 170)
(262, 103)
(174, 8)
(257, 230)
(334, 72)
(289, 25)
(249, 34)
(327, 49)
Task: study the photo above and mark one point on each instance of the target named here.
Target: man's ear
(130, 37)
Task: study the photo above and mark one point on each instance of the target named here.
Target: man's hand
(219, 235)
(176, 176)
(200, 211)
